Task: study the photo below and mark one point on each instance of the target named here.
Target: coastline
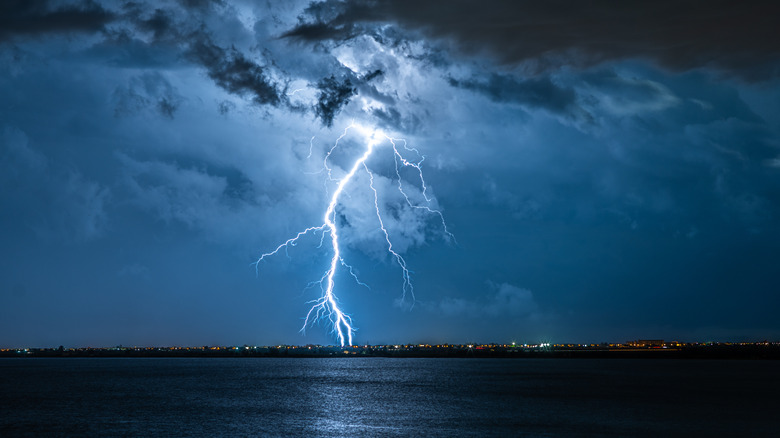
(752, 351)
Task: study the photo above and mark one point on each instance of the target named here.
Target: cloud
(219, 203)
(223, 157)
(161, 23)
(737, 37)
(83, 206)
(319, 31)
(530, 206)
(333, 95)
(506, 300)
(535, 93)
(191, 196)
(511, 300)
(18, 154)
(30, 18)
(225, 107)
(235, 73)
(144, 91)
(65, 206)
(623, 96)
(407, 226)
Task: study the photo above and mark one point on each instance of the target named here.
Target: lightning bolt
(326, 307)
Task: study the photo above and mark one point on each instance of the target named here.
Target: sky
(609, 170)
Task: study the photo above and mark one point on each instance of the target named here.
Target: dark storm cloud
(226, 65)
(203, 5)
(390, 116)
(536, 93)
(235, 73)
(160, 23)
(30, 18)
(736, 36)
(374, 74)
(173, 33)
(319, 32)
(333, 95)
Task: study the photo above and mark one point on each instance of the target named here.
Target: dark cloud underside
(736, 36)
(333, 95)
(536, 93)
(231, 70)
(30, 18)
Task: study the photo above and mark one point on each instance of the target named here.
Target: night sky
(610, 170)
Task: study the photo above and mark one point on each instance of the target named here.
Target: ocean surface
(388, 397)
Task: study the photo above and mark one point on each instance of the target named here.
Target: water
(387, 397)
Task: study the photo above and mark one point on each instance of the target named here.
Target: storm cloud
(20, 18)
(333, 95)
(536, 93)
(740, 38)
(231, 70)
(609, 170)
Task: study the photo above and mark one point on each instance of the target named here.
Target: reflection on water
(387, 397)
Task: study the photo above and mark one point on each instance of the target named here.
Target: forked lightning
(326, 307)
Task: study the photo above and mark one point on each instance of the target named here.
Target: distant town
(643, 348)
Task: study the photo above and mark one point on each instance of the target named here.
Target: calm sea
(388, 397)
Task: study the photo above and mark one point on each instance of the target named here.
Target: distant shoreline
(752, 351)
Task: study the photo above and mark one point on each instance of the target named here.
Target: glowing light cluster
(326, 307)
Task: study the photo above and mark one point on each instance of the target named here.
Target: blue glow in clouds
(326, 307)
